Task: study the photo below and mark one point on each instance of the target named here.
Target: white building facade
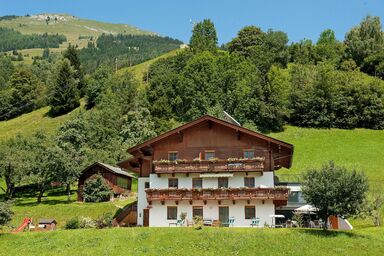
(212, 169)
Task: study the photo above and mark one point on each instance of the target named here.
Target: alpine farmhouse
(212, 168)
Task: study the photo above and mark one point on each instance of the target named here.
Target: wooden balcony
(204, 166)
(277, 194)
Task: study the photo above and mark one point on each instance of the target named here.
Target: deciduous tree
(334, 190)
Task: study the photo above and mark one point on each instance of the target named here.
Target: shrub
(198, 222)
(96, 189)
(72, 223)
(298, 218)
(86, 222)
(104, 221)
(5, 214)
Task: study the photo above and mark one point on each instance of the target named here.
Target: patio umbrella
(306, 209)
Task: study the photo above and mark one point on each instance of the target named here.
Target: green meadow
(188, 241)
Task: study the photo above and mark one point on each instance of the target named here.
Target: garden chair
(230, 222)
(177, 223)
(255, 222)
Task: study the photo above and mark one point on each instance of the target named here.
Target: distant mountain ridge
(77, 30)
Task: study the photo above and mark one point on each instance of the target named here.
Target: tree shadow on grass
(43, 202)
(329, 233)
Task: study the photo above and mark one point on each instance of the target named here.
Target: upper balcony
(278, 195)
(212, 165)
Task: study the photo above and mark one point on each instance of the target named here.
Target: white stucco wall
(158, 212)
(233, 182)
(141, 199)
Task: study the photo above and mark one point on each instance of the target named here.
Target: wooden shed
(47, 224)
(118, 179)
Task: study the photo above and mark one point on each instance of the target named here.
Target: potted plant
(232, 160)
(214, 160)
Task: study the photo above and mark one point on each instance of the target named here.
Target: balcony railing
(209, 166)
(278, 194)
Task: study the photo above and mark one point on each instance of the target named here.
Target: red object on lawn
(23, 225)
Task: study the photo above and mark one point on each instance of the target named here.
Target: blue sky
(298, 18)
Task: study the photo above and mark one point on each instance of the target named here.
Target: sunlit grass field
(188, 241)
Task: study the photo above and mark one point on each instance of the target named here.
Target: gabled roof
(116, 170)
(214, 120)
(47, 221)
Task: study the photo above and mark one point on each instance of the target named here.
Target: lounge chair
(255, 222)
(230, 222)
(177, 223)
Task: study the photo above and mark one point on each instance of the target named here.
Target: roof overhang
(216, 175)
(147, 144)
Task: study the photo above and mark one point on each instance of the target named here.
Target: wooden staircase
(127, 217)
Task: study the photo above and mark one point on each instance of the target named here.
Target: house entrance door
(146, 218)
(223, 214)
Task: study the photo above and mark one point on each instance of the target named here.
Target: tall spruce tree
(204, 37)
(65, 95)
(72, 54)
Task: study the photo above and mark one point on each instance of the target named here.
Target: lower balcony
(278, 195)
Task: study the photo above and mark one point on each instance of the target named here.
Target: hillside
(139, 70)
(77, 30)
(28, 123)
(358, 148)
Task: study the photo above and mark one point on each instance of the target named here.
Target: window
(209, 154)
(249, 182)
(146, 184)
(172, 213)
(250, 212)
(197, 211)
(172, 155)
(122, 182)
(294, 197)
(197, 183)
(249, 154)
(223, 182)
(173, 183)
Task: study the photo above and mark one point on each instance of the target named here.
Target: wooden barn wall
(110, 178)
(226, 143)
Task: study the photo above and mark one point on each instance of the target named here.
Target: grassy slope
(28, 123)
(358, 148)
(54, 205)
(139, 70)
(188, 241)
(71, 27)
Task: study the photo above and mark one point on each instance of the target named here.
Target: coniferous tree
(45, 53)
(65, 95)
(204, 37)
(72, 54)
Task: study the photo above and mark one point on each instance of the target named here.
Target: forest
(14, 40)
(128, 50)
(258, 77)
